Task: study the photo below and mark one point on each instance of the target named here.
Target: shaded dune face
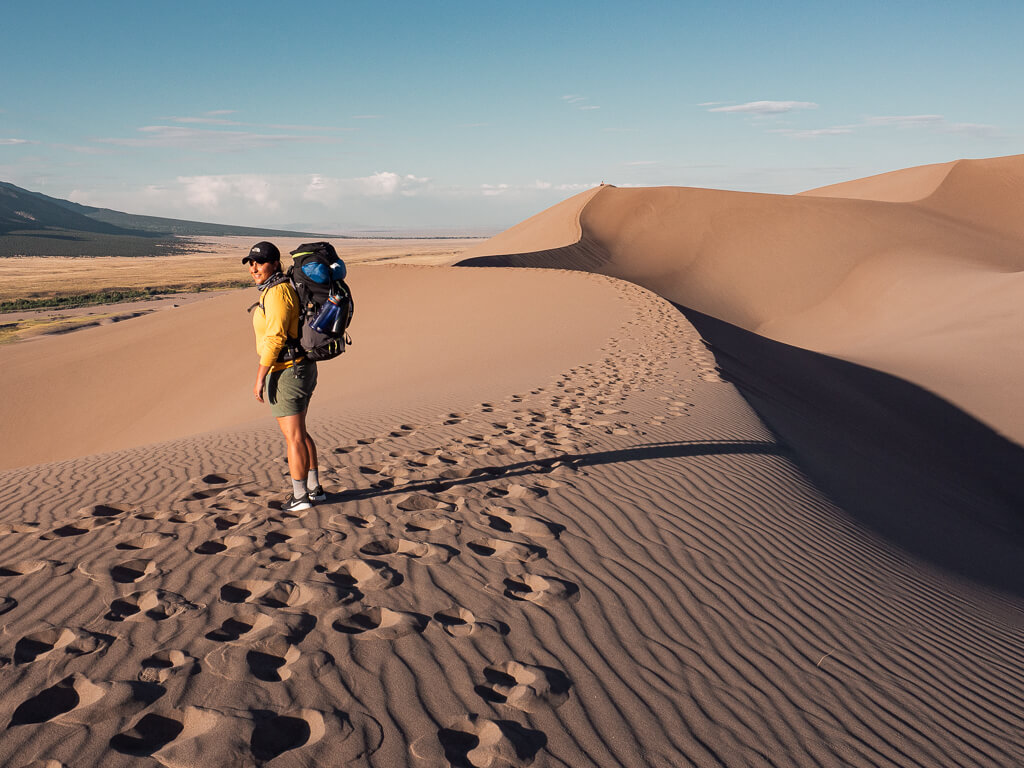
(903, 462)
(905, 418)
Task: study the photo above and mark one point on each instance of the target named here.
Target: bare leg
(311, 449)
(300, 457)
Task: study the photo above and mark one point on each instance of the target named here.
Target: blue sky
(470, 116)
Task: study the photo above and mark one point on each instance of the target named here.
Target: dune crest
(927, 291)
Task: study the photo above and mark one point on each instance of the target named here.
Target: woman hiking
(285, 377)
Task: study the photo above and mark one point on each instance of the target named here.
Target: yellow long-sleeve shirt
(275, 321)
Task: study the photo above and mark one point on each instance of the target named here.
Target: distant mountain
(24, 210)
(31, 213)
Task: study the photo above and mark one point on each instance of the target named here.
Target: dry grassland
(216, 265)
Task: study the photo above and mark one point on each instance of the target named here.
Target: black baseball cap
(262, 252)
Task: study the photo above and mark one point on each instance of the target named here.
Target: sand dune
(906, 185)
(926, 291)
(615, 565)
(188, 370)
(554, 535)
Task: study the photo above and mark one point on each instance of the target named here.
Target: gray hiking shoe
(296, 504)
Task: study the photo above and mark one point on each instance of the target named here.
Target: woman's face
(262, 271)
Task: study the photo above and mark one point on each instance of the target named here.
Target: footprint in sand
(7, 604)
(517, 491)
(524, 686)
(507, 551)
(421, 502)
(269, 659)
(27, 567)
(319, 738)
(234, 545)
(146, 541)
(160, 666)
(77, 527)
(21, 527)
(480, 741)
(50, 642)
(428, 523)
(249, 624)
(278, 555)
(151, 733)
(180, 737)
(354, 520)
(131, 571)
(542, 590)
(422, 551)
(362, 574)
(461, 622)
(72, 693)
(152, 604)
(381, 623)
(289, 535)
(272, 594)
(236, 501)
(506, 520)
(103, 510)
(215, 479)
(180, 518)
(232, 519)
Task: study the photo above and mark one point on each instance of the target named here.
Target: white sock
(313, 479)
(298, 489)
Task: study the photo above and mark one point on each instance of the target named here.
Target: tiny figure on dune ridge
(286, 377)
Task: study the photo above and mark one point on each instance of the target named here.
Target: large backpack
(318, 276)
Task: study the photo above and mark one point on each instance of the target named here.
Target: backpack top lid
(323, 251)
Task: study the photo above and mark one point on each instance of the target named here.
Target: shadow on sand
(903, 462)
(575, 460)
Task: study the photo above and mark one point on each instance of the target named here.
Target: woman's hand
(261, 377)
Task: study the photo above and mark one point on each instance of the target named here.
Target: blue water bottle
(329, 317)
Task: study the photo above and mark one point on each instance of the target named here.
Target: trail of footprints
(477, 494)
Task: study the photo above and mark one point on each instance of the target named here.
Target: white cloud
(12, 142)
(493, 190)
(767, 107)
(899, 122)
(905, 121)
(642, 162)
(579, 102)
(813, 133)
(210, 192)
(202, 120)
(978, 130)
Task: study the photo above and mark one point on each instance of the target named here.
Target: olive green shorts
(288, 391)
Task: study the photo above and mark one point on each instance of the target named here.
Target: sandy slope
(928, 291)
(189, 370)
(609, 562)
